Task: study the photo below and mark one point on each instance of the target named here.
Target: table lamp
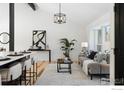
(84, 46)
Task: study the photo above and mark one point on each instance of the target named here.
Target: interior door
(119, 44)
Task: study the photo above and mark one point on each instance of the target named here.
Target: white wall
(27, 20)
(4, 21)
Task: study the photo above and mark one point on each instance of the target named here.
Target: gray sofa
(98, 69)
(97, 66)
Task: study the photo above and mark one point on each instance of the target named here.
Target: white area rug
(51, 77)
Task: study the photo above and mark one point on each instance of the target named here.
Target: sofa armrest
(105, 68)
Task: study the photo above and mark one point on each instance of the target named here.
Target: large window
(100, 38)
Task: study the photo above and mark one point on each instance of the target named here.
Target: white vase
(66, 58)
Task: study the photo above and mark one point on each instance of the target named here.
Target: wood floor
(41, 65)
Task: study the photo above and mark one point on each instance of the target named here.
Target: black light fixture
(59, 18)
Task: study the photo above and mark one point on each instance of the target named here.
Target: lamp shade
(84, 44)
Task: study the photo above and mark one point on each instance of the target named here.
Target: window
(100, 38)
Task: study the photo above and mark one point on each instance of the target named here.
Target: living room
(83, 23)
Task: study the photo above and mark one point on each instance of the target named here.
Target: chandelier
(59, 18)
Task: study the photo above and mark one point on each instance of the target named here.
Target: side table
(60, 68)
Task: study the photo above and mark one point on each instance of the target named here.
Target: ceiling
(80, 13)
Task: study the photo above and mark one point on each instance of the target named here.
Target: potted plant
(67, 46)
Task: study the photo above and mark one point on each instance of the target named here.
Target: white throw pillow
(104, 62)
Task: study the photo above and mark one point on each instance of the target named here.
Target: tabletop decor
(67, 46)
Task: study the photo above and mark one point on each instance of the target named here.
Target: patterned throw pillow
(99, 57)
(92, 55)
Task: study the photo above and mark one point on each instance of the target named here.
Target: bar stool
(28, 72)
(26, 69)
(0, 79)
(34, 63)
(11, 75)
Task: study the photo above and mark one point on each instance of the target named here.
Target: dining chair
(34, 63)
(28, 69)
(11, 75)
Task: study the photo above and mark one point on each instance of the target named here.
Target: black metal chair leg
(30, 77)
(33, 72)
(11, 77)
(91, 76)
(58, 67)
(70, 68)
(25, 75)
(20, 80)
(36, 71)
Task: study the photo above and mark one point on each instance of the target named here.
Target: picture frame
(39, 39)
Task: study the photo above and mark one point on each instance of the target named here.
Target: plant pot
(66, 58)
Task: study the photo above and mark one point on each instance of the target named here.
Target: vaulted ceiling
(81, 13)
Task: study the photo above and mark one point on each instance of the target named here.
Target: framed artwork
(39, 38)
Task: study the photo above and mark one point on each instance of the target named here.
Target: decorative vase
(66, 58)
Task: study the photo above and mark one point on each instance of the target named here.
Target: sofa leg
(91, 77)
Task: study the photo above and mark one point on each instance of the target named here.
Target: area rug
(50, 76)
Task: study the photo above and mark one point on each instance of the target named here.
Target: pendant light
(60, 17)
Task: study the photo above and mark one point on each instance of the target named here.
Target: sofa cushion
(92, 55)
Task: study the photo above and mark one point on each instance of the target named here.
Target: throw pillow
(103, 62)
(92, 55)
(99, 57)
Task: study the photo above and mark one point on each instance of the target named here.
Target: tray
(4, 59)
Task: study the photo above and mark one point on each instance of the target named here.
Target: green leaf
(73, 40)
(62, 46)
(71, 48)
(65, 42)
(72, 43)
